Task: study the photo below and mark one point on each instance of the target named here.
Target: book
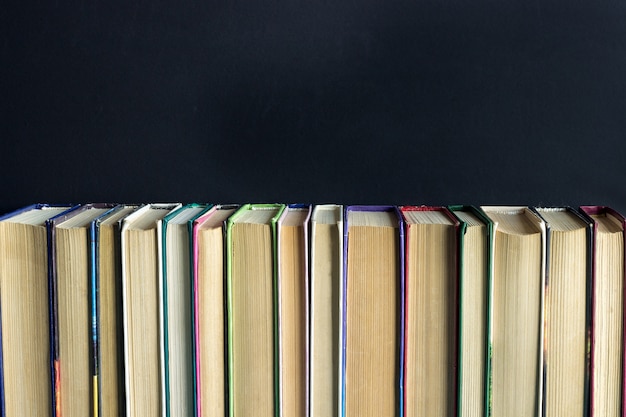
(607, 341)
(251, 276)
(326, 265)
(567, 306)
(518, 273)
(141, 246)
(474, 317)
(209, 298)
(25, 325)
(373, 311)
(106, 295)
(430, 347)
(177, 308)
(293, 310)
(72, 310)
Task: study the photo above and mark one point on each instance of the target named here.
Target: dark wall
(399, 102)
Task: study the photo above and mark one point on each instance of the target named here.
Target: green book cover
(267, 215)
(465, 214)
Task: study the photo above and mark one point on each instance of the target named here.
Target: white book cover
(142, 215)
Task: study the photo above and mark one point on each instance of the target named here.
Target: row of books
(311, 310)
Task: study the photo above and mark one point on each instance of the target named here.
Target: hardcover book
(209, 300)
(177, 308)
(75, 388)
(567, 310)
(326, 266)
(292, 290)
(141, 246)
(106, 305)
(607, 341)
(518, 270)
(430, 347)
(475, 314)
(25, 334)
(251, 279)
(373, 320)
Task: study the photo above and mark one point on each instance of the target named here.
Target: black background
(388, 102)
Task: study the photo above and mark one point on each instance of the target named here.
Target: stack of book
(311, 310)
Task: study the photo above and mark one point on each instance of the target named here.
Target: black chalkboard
(387, 102)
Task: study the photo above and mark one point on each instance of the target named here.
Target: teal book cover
(177, 309)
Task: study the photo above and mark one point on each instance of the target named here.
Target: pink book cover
(212, 214)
